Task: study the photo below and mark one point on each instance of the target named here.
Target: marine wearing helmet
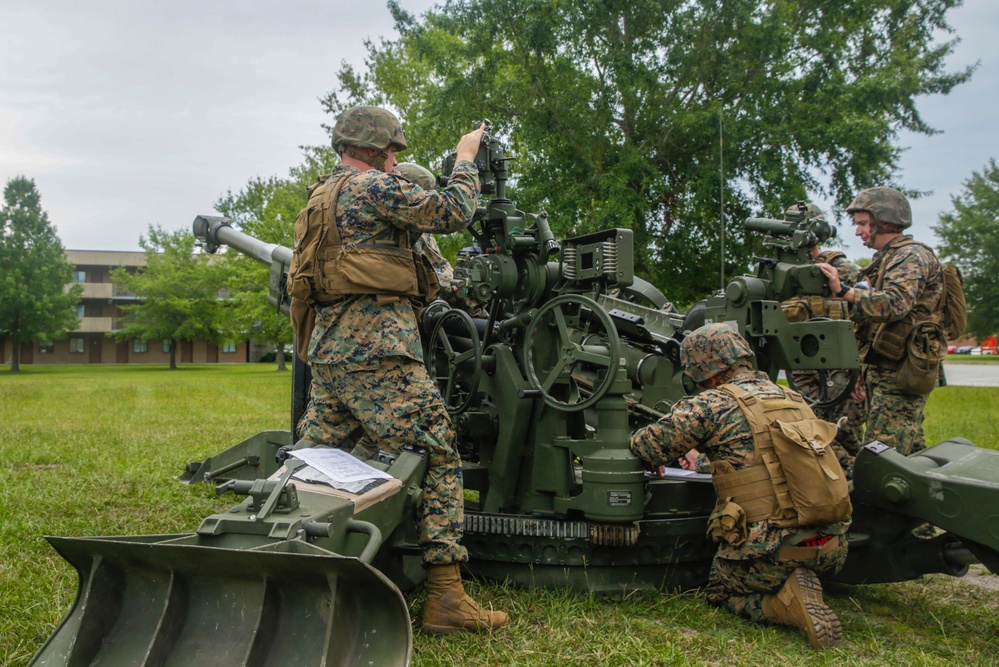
(889, 209)
(803, 211)
(417, 175)
(367, 133)
(713, 350)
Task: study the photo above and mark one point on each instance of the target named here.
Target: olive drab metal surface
(548, 354)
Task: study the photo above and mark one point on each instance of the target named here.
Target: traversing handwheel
(454, 360)
(556, 351)
(824, 388)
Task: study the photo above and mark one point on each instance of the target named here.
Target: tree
(35, 302)
(970, 239)
(616, 109)
(266, 209)
(179, 293)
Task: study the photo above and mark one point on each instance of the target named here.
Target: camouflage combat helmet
(417, 175)
(885, 205)
(712, 349)
(811, 212)
(368, 127)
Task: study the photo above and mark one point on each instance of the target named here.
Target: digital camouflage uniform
(366, 358)
(713, 423)
(912, 281)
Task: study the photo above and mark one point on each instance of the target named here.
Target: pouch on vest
(303, 322)
(727, 523)
(796, 310)
(926, 347)
(370, 269)
(426, 278)
(891, 338)
(955, 307)
(303, 271)
(804, 449)
(795, 478)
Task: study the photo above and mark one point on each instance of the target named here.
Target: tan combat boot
(799, 603)
(450, 610)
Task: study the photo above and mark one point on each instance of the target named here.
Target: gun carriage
(548, 354)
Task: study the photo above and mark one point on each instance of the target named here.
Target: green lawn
(93, 450)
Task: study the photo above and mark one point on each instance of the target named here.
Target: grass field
(90, 450)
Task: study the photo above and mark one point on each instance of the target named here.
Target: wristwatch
(843, 289)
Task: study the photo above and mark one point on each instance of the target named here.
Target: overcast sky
(131, 113)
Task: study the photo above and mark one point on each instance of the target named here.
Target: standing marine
(779, 520)
(898, 319)
(354, 273)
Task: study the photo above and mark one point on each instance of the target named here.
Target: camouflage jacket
(901, 280)
(712, 423)
(371, 206)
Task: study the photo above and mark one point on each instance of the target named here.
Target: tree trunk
(279, 355)
(173, 355)
(15, 356)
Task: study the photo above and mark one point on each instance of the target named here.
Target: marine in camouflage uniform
(752, 579)
(365, 352)
(903, 281)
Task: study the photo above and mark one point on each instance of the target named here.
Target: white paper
(680, 472)
(338, 465)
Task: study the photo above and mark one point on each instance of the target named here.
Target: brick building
(99, 315)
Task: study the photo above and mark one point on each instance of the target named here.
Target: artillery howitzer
(548, 355)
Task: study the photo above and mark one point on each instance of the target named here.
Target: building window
(46, 347)
(140, 345)
(79, 276)
(81, 310)
(76, 345)
(228, 348)
(166, 346)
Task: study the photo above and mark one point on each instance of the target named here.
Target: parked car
(976, 352)
(964, 349)
(951, 348)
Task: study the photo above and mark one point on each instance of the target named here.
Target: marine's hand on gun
(468, 145)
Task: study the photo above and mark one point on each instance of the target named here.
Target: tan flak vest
(324, 270)
(796, 479)
(889, 339)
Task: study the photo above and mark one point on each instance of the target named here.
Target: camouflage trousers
(395, 403)
(740, 585)
(894, 418)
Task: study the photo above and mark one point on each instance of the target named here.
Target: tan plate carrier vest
(796, 479)
(324, 270)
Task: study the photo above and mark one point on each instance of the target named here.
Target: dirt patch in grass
(37, 467)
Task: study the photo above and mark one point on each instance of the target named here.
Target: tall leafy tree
(266, 209)
(642, 114)
(970, 239)
(179, 293)
(37, 295)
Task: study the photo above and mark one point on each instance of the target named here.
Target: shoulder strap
(330, 197)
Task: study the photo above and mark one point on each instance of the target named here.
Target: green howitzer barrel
(214, 232)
